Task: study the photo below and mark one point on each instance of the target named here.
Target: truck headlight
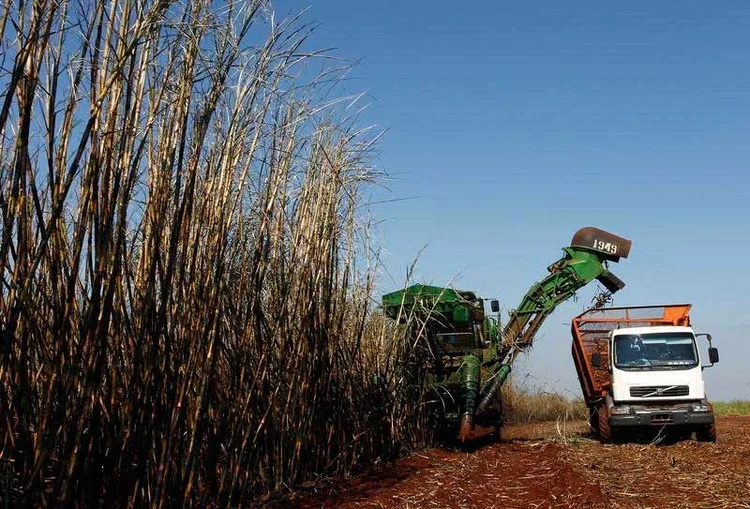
(620, 410)
(700, 407)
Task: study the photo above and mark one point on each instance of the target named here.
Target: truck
(640, 370)
(466, 354)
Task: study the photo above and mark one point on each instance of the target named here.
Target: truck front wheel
(605, 430)
(706, 433)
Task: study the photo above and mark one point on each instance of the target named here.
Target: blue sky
(511, 125)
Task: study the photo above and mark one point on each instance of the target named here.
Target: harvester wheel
(605, 431)
(706, 433)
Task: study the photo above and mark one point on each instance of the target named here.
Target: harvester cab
(462, 338)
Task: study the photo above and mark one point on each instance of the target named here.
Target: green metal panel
(425, 298)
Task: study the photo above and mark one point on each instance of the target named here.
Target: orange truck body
(590, 331)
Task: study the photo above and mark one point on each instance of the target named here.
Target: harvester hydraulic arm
(584, 261)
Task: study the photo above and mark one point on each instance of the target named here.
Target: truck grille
(657, 391)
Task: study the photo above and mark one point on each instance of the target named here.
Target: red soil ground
(551, 465)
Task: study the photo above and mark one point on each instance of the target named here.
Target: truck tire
(605, 430)
(678, 434)
(594, 420)
(706, 433)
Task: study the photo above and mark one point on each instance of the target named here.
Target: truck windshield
(670, 350)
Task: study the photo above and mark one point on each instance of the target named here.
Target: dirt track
(545, 465)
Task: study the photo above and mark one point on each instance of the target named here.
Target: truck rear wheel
(706, 433)
(594, 420)
(605, 430)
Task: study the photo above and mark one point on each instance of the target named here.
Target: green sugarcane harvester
(463, 342)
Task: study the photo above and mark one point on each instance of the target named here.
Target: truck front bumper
(674, 415)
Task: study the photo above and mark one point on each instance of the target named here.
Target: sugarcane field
(415, 254)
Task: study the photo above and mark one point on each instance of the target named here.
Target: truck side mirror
(596, 359)
(713, 355)
(494, 306)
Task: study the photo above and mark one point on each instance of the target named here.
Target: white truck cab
(657, 380)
